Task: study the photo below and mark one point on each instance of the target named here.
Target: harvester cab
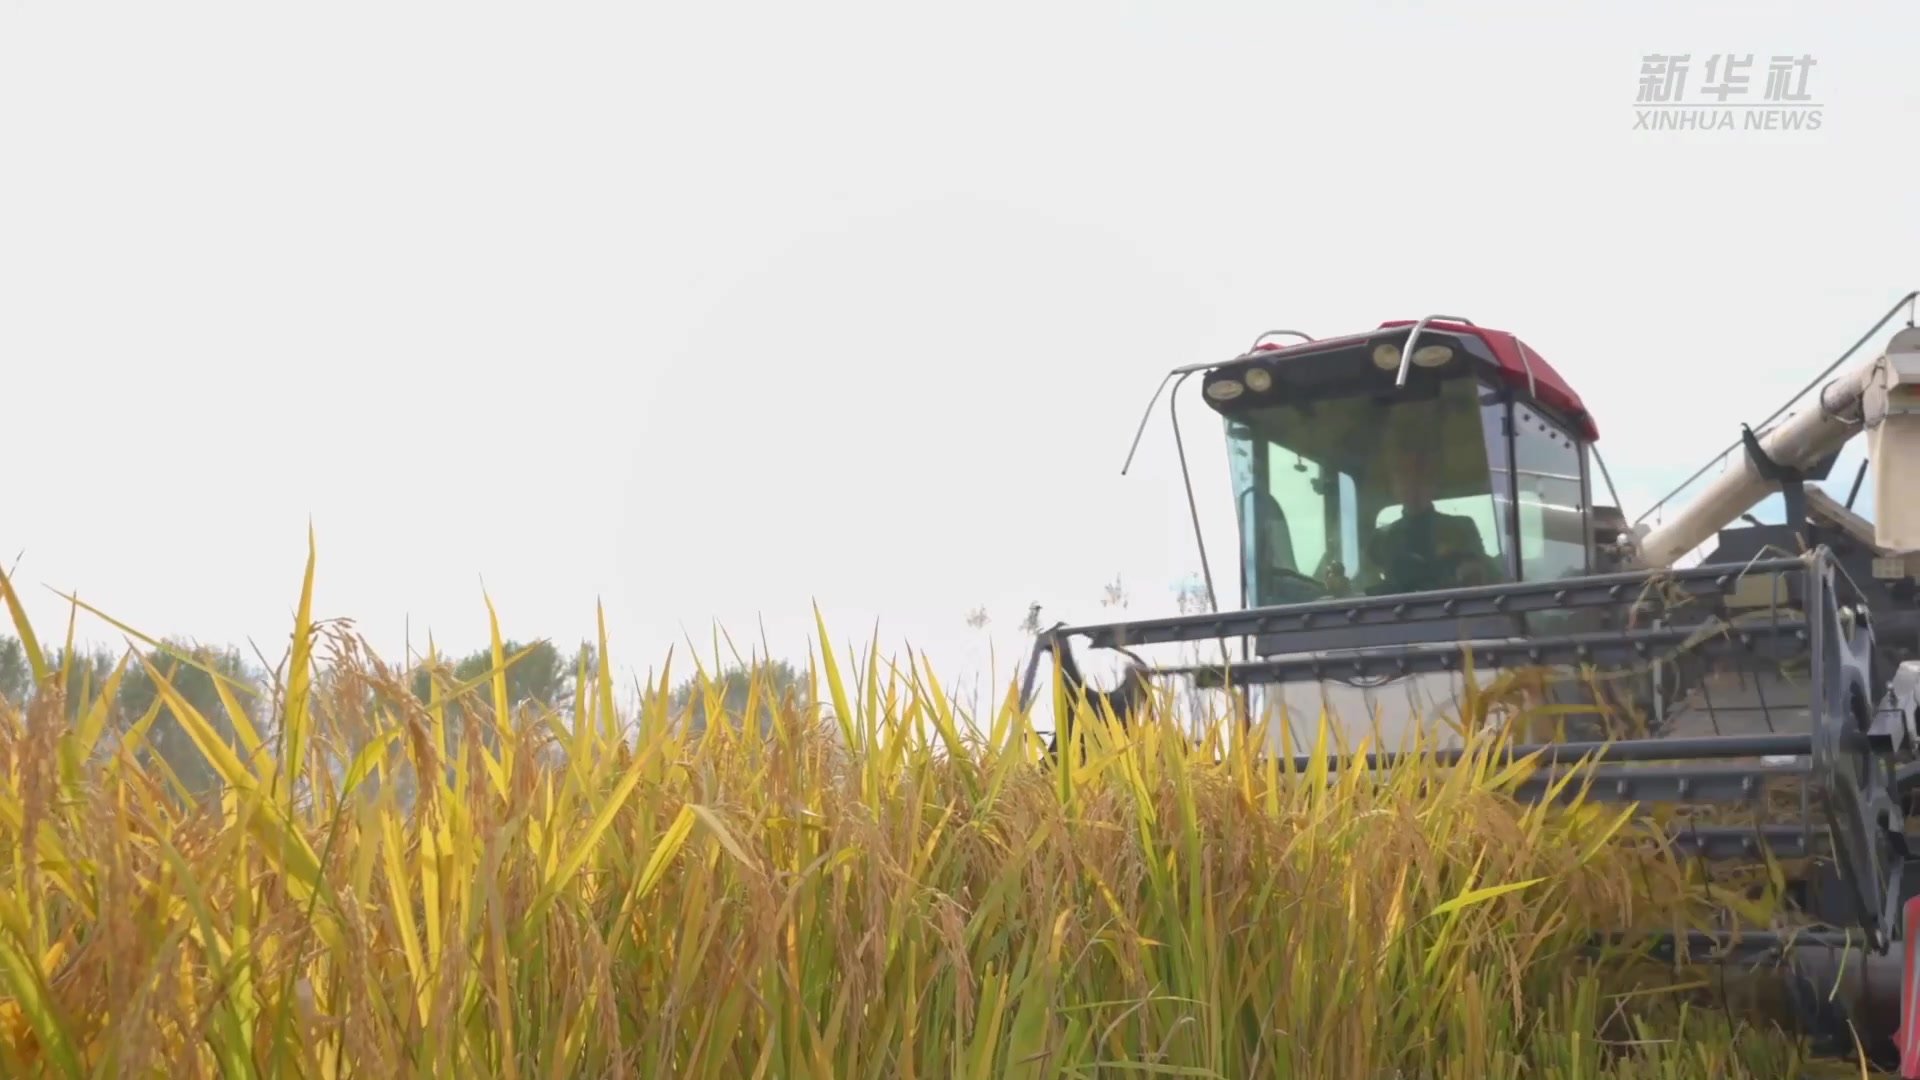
(1403, 462)
(1420, 505)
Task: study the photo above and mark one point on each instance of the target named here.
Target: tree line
(543, 677)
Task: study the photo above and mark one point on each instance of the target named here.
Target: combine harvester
(1789, 654)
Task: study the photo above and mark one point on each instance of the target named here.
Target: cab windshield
(1362, 495)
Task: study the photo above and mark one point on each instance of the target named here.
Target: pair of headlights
(1385, 357)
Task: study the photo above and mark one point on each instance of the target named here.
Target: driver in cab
(1425, 548)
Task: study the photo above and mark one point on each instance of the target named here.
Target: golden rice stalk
(892, 890)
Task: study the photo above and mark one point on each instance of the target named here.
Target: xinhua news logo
(1729, 94)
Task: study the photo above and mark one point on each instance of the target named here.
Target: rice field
(392, 883)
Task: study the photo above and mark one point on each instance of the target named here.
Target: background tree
(89, 673)
(16, 675)
(544, 676)
(86, 678)
(781, 682)
(168, 737)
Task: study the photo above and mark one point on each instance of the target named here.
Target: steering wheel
(1320, 588)
(1452, 571)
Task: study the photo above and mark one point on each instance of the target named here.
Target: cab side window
(1549, 497)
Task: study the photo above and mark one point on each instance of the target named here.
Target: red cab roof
(1518, 363)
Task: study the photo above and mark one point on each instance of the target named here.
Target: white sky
(710, 311)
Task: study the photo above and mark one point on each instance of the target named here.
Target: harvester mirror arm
(1274, 333)
(1406, 351)
(1180, 447)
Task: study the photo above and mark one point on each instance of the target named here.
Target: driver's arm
(1380, 549)
(1469, 550)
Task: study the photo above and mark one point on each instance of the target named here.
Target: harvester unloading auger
(1417, 501)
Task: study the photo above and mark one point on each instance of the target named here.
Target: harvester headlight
(1225, 389)
(1259, 380)
(1387, 357)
